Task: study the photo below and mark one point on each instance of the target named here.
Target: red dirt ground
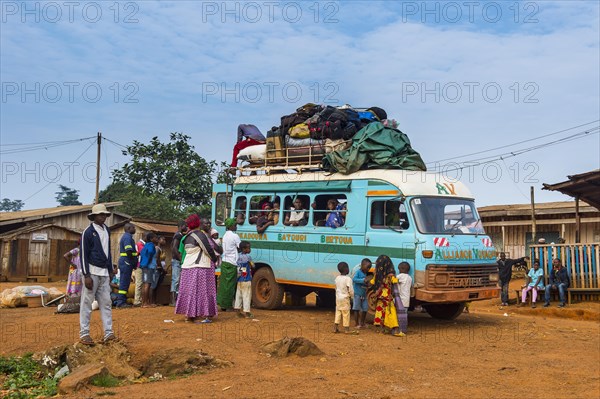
(532, 353)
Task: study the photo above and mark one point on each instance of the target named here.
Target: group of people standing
(390, 290)
(197, 251)
(201, 252)
(534, 281)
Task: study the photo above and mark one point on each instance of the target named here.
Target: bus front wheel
(445, 311)
(266, 292)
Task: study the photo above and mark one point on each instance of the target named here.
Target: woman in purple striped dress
(197, 292)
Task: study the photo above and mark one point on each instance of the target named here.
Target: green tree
(172, 170)
(67, 196)
(223, 175)
(148, 206)
(7, 205)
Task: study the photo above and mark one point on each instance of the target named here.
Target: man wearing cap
(96, 267)
(228, 278)
(127, 262)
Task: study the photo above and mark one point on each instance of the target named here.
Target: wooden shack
(33, 242)
(35, 253)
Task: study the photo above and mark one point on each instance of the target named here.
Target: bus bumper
(464, 295)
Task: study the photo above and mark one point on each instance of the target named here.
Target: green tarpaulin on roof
(375, 147)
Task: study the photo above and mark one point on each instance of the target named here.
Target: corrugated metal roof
(586, 186)
(28, 229)
(156, 227)
(45, 213)
(540, 208)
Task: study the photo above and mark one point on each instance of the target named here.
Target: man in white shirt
(228, 277)
(97, 269)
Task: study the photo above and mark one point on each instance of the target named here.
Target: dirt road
(533, 353)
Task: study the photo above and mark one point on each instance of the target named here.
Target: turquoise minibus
(418, 217)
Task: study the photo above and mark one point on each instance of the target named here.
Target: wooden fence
(582, 262)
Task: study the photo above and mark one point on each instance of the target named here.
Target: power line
(39, 146)
(513, 144)
(115, 143)
(486, 160)
(61, 172)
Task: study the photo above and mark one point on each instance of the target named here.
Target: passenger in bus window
(298, 215)
(265, 219)
(240, 218)
(334, 218)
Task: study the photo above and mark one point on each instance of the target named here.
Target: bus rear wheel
(445, 311)
(266, 292)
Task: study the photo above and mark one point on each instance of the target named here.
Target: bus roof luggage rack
(301, 159)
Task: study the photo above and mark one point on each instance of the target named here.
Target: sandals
(86, 340)
(400, 334)
(205, 321)
(109, 338)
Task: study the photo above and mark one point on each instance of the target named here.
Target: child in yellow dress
(385, 310)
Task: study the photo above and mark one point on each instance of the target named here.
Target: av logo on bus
(446, 188)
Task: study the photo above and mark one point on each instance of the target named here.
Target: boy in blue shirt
(243, 294)
(359, 282)
(148, 266)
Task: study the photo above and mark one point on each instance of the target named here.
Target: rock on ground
(285, 346)
(80, 377)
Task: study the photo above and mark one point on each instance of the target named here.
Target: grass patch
(23, 378)
(105, 381)
(106, 393)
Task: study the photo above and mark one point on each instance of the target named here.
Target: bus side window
(330, 210)
(239, 211)
(222, 201)
(389, 214)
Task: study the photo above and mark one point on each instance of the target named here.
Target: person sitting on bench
(535, 283)
(559, 279)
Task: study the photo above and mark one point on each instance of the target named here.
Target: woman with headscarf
(197, 292)
(228, 278)
(383, 284)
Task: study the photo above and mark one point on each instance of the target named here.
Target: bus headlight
(493, 277)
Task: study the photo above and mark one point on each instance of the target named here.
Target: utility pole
(98, 168)
(533, 226)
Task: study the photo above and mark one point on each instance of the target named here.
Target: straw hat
(98, 209)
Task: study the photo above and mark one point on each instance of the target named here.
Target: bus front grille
(461, 276)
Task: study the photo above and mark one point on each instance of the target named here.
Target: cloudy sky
(459, 77)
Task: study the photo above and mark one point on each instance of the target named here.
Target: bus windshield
(440, 215)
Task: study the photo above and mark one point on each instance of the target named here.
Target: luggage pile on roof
(338, 139)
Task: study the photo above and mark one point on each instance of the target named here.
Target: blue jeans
(125, 270)
(175, 273)
(562, 289)
(504, 291)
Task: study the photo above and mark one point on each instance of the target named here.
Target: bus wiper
(454, 225)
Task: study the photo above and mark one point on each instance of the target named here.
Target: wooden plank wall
(515, 235)
(581, 260)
